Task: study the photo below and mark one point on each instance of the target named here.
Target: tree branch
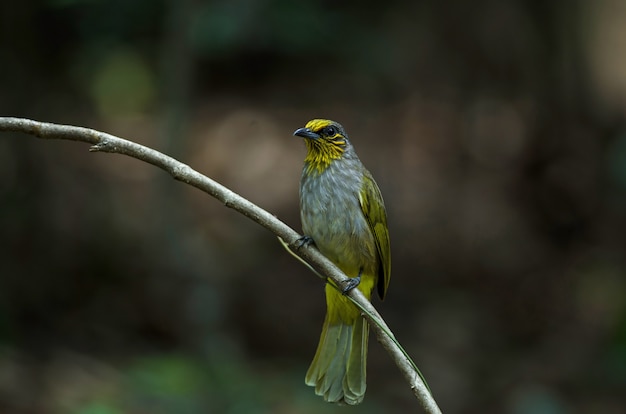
(102, 142)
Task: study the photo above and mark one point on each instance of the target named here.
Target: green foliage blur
(495, 129)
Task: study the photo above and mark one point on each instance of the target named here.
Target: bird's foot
(304, 241)
(351, 283)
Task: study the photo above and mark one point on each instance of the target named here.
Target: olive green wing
(373, 209)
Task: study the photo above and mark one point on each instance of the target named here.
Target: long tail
(338, 370)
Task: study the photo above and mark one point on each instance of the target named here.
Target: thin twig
(102, 142)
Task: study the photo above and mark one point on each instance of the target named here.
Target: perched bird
(343, 213)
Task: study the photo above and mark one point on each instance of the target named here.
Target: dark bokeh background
(495, 129)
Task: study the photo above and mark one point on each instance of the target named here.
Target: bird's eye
(331, 131)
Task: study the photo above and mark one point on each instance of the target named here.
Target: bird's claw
(350, 284)
(304, 241)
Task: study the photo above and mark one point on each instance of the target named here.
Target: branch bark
(103, 142)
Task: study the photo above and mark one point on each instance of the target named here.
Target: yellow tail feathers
(338, 370)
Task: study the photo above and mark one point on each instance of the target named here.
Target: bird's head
(325, 141)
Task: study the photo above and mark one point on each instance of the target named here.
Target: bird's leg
(352, 282)
(304, 241)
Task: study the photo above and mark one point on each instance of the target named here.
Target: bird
(343, 214)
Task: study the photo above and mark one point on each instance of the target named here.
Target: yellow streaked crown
(316, 125)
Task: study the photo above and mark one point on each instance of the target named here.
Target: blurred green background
(495, 129)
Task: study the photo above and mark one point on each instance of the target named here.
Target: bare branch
(102, 142)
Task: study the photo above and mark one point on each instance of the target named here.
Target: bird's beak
(306, 133)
